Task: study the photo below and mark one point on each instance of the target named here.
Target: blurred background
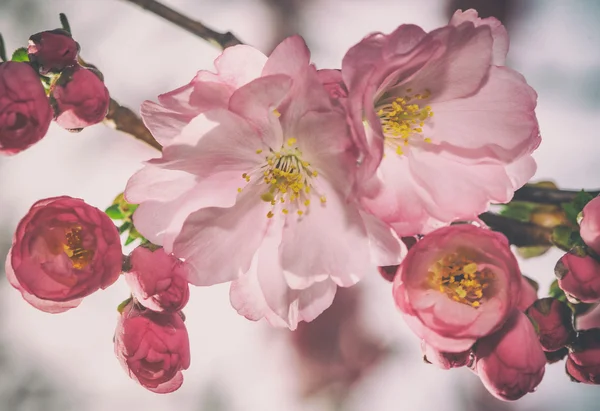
(358, 355)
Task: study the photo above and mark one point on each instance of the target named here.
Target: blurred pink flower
(79, 98)
(583, 361)
(511, 362)
(590, 225)
(152, 347)
(266, 173)
(456, 285)
(446, 360)
(158, 280)
(553, 321)
(25, 113)
(579, 277)
(444, 128)
(62, 251)
(52, 51)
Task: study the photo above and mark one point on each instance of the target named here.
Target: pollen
(259, 151)
(73, 248)
(460, 278)
(403, 119)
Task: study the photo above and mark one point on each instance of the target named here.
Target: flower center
(404, 118)
(73, 248)
(288, 179)
(460, 279)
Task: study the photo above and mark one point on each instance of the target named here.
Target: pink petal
(386, 248)
(290, 57)
(154, 183)
(218, 243)
(500, 117)
(239, 65)
(521, 171)
(169, 386)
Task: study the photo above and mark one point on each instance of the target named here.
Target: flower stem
(544, 195)
(125, 120)
(519, 233)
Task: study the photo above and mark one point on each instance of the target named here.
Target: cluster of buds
(46, 81)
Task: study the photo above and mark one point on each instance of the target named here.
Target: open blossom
(511, 362)
(158, 280)
(589, 227)
(444, 127)
(25, 113)
(80, 98)
(152, 347)
(583, 361)
(53, 50)
(456, 285)
(579, 277)
(62, 251)
(254, 190)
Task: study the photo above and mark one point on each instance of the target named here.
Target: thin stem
(2, 49)
(519, 233)
(64, 22)
(222, 40)
(545, 195)
(125, 120)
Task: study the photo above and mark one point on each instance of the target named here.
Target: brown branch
(544, 195)
(123, 119)
(222, 40)
(519, 233)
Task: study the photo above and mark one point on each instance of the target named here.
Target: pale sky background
(238, 364)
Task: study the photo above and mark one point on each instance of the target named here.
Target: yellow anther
(291, 141)
(399, 151)
(307, 202)
(267, 197)
(300, 212)
(239, 189)
(259, 151)
(276, 112)
(427, 140)
(315, 173)
(323, 199)
(285, 211)
(270, 214)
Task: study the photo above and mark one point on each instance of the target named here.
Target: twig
(544, 195)
(125, 120)
(222, 40)
(519, 233)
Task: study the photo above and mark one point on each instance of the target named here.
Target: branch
(544, 195)
(123, 119)
(519, 233)
(222, 40)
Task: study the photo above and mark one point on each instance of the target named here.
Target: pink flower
(456, 285)
(153, 348)
(579, 277)
(583, 362)
(62, 251)
(158, 280)
(267, 175)
(53, 51)
(25, 113)
(511, 362)
(552, 319)
(590, 225)
(590, 319)
(446, 360)
(80, 98)
(444, 128)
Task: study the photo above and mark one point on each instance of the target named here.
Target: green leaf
(575, 207)
(130, 239)
(122, 306)
(20, 55)
(556, 292)
(125, 227)
(114, 212)
(561, 237)
(532, 251)
(518, 210)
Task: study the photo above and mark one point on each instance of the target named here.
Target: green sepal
(122, 306)
(114, 212)
(20, 55)
(556, 292)
(574, 208)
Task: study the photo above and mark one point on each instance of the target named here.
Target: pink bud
(158, 280)
(25, 113)
(579, 277)
(590, 225)
(553, 321)
(590, 319)
(511, 362)
(528, 294)
(583, 362)
(53, 50)
(446, 360)
(62, 251)
(152, 347)
(79, 98)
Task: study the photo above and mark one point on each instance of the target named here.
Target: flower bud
(590, 319)
(553, 321)
(528, 294)
(62, 251)
(25, 113)
(158, 280)
(583, 362)
(579, 277)
(152, 347)
(79, 98)
(53, 51)
(590, 225)
(445, 360)
(511, 362)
